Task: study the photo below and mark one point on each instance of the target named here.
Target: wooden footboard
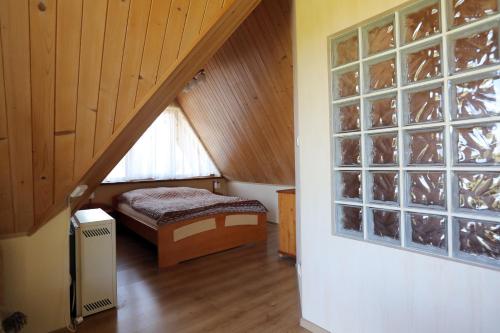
(194, 238)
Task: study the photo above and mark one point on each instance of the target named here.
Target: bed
(186, 223)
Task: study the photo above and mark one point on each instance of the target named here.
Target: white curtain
(169, 149)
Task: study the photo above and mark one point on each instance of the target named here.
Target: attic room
(249, 166)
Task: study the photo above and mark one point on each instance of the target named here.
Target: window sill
(146, 181)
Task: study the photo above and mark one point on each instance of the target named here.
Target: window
(169, 149)
(415, 122)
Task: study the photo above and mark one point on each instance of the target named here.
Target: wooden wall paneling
(3, 110)
(160, 10)
(213, 10)
(43, 47)
(193, 25)
(248, 96)
(114, 40)
(170, 83)
(64, 147)
(14, 23)
(92, 40)
(6, 208)
(69, 25)
(173, 35)
(132, 57)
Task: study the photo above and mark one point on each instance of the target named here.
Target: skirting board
(311, 327)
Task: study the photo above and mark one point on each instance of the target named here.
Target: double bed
(186, 223)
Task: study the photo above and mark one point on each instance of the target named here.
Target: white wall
(265, 193)
(349, 286)
(35, 275)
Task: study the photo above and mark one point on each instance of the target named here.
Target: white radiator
(96, 261)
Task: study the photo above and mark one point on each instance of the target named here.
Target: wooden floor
(248, 289)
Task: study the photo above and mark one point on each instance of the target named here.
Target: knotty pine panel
(243, 112)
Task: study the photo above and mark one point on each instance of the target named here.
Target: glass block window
(415, 119)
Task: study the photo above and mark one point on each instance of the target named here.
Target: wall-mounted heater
(95, 261)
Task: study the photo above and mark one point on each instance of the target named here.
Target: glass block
(382, 74)
(425, 106)
(350, 184)
(347, 83)
(346, 49)
(426, 147)
(428, 230)
(385, 186)
(351, 218)
(479, 190)
(380, 37)
(384, 149)
(477, 98)
(476, 50)
(349, 117)
(383, 112)
(466, 11)
(421, 22)
(423, 64)
(427, 188)
(479, 238)
(479, 144)
(386, 223)
(349, 152)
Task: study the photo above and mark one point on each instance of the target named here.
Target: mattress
(127, 210)
(176, 204)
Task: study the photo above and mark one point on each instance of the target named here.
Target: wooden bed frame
(194, 238)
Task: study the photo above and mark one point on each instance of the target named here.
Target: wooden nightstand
(286, 206)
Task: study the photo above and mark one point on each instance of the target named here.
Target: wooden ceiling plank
(155, 36)
(43, 50)
(173, 35)
(3, 107)
(14, 18)
(214, 8)
(93, 27)
(134, 47)
(6, 208)
(64, 146)
(114, 41)
(69, 25)
(193, 25)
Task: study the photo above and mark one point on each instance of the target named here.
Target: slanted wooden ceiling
(80, 81)
(243, 112)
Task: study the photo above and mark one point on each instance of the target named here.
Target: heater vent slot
(91, 307)
(96, 232)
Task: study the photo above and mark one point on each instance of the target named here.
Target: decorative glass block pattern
(478, 98)
(384, 149)
(351, 218)
(421, 23)
(383, 112)
(423, 64)
(350, 153)
(428, 230)
(349, 118)
(346, 50)
(381, 37)
(350, 184)
(479, 144)
(418, 142)
(479, 190)
(383, 74)
(466, 11)
(479, 238)
(385, 186)
(425, 106)
(386, 223)
(426, 147)
(478, 49)
(348, 83)
(427, 188)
